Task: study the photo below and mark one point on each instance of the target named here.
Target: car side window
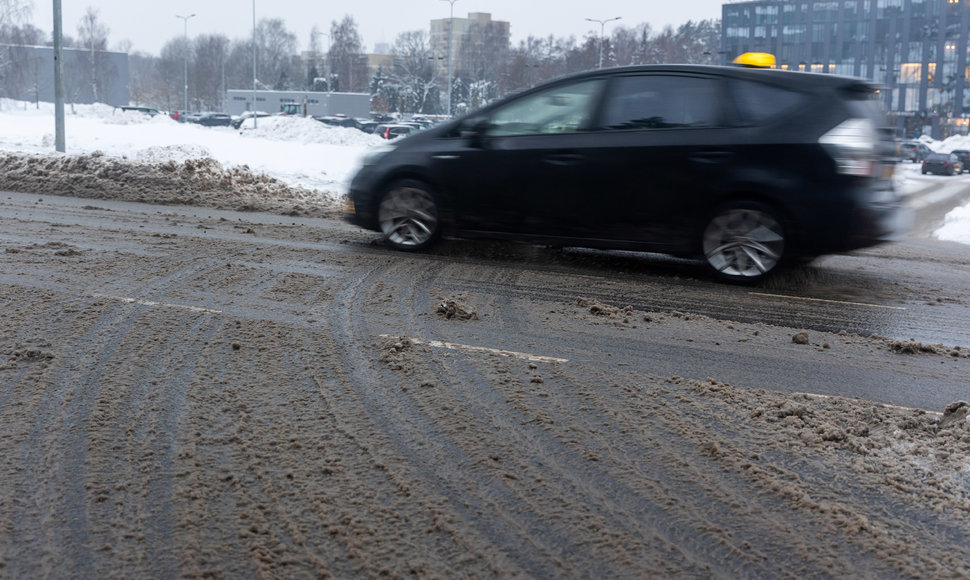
(661, 102)
(560, 109)
(758, 102)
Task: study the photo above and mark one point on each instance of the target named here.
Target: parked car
(743, 168)
(367, 126)
(964, 156)
(942, 164)
(190, 117)
(914, 151)
(394, 130)
(214, 119)
(145, 110)
(337, 120)
(238, 121)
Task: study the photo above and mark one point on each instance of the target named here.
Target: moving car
(744, 168)
(942, 164)
(914, 151)
(964, 156)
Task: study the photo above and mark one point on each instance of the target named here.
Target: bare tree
(93, 36)
(484, 50)
(210, 53)
(412, 86)
(346, 56)
(13, 13)
(275, 45)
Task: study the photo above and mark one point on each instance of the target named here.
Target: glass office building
(916, 49)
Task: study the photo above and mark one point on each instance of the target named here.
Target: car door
(522, 171)
(660, 140)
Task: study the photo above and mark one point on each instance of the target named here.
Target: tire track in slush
(131, 410)
(631, 495)
(55, 449)
(430, 449)
(538, 524)
(572, 482)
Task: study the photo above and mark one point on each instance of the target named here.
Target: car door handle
(709, 156)
(563, 158)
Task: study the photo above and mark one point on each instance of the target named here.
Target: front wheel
(409, 216)
(743, 242)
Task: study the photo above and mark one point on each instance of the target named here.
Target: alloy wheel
(743, 243)
(408, 216)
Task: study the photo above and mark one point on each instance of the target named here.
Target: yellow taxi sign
(756, 60)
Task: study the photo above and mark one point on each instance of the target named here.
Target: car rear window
(760, 102)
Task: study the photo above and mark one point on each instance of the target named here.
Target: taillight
(852, 144)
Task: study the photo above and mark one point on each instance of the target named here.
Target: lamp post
(185, 21)
(451, 27)
(255, 116)
(602, 24)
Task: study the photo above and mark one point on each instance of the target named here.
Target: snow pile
(202, 182)
(307, 130)
(302, 153)
(956, 226)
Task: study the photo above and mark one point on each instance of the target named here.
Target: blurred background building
(917, 49)
(90, 76)
(469, 38)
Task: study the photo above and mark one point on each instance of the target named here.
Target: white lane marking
(151, 303)
(456, 346)
(829, 301)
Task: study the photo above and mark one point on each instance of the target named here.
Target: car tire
(744, 242)
(409, 216)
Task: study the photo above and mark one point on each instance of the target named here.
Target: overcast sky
(149, 25)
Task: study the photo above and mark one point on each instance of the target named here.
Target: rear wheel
(743, 242)
(409, 216)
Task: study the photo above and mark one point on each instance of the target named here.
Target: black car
(964, 156)
(744, 168)
(942, 164)
(337, 120)
(214, 119)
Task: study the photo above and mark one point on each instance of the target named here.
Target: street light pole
(185, 21)
(255, 116)
(451, 28)
(602, 25)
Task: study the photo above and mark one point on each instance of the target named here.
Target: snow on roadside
(300, 152)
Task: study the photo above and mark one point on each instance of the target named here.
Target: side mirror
(475, 130)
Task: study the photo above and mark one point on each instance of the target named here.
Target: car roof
(795, 79)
